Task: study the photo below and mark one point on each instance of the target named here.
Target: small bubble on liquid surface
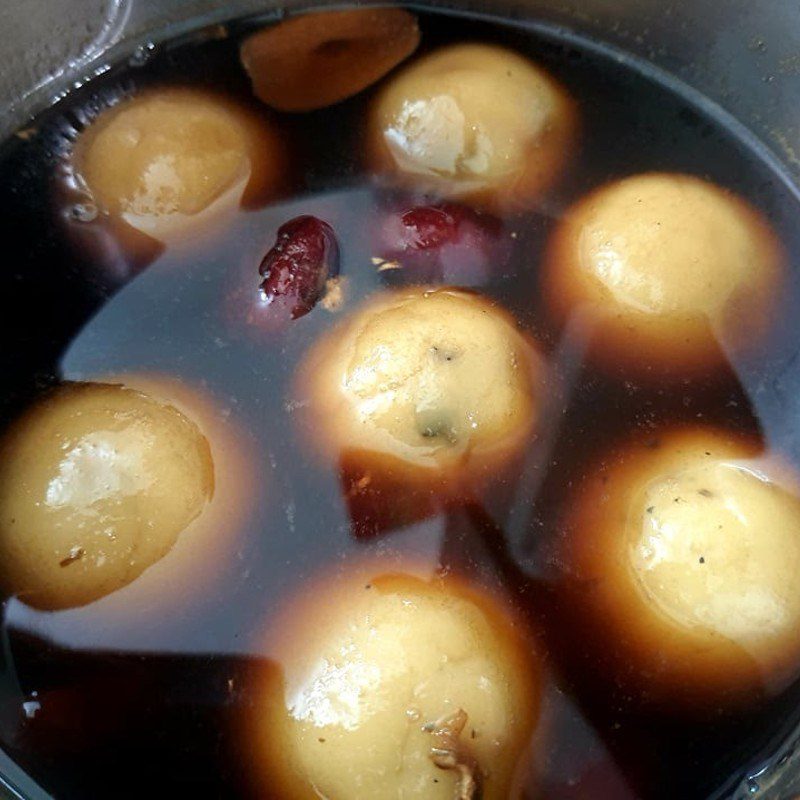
(142, 54)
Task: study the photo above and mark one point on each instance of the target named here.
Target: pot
(738, 59)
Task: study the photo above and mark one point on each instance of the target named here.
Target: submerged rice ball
(174, 158)
(666, 270)
(434, 387)
(476, 122)
(683, 551)
(97, 481)
(396, 687)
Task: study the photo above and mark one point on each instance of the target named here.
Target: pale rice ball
(687, 546)
(434, 385)
(666, 270)
(476, 122)
(97, 482)
(396, 687)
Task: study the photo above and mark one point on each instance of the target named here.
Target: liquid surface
(86, 704)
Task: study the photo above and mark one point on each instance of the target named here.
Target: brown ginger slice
(450, 753)
(316, 60)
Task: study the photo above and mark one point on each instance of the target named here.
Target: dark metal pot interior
(738, 59)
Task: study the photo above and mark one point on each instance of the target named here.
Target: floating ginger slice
(315, 60)
(450, 753)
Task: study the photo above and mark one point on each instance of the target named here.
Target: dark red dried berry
(305, 255)
(428, 227)
(445, 243)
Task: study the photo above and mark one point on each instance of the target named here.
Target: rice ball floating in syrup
(394, 686)
(97, 481)
(172, 159)
(682, 551)
(102, 482)
(428, 389)
(475, 122)
(666, 270)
